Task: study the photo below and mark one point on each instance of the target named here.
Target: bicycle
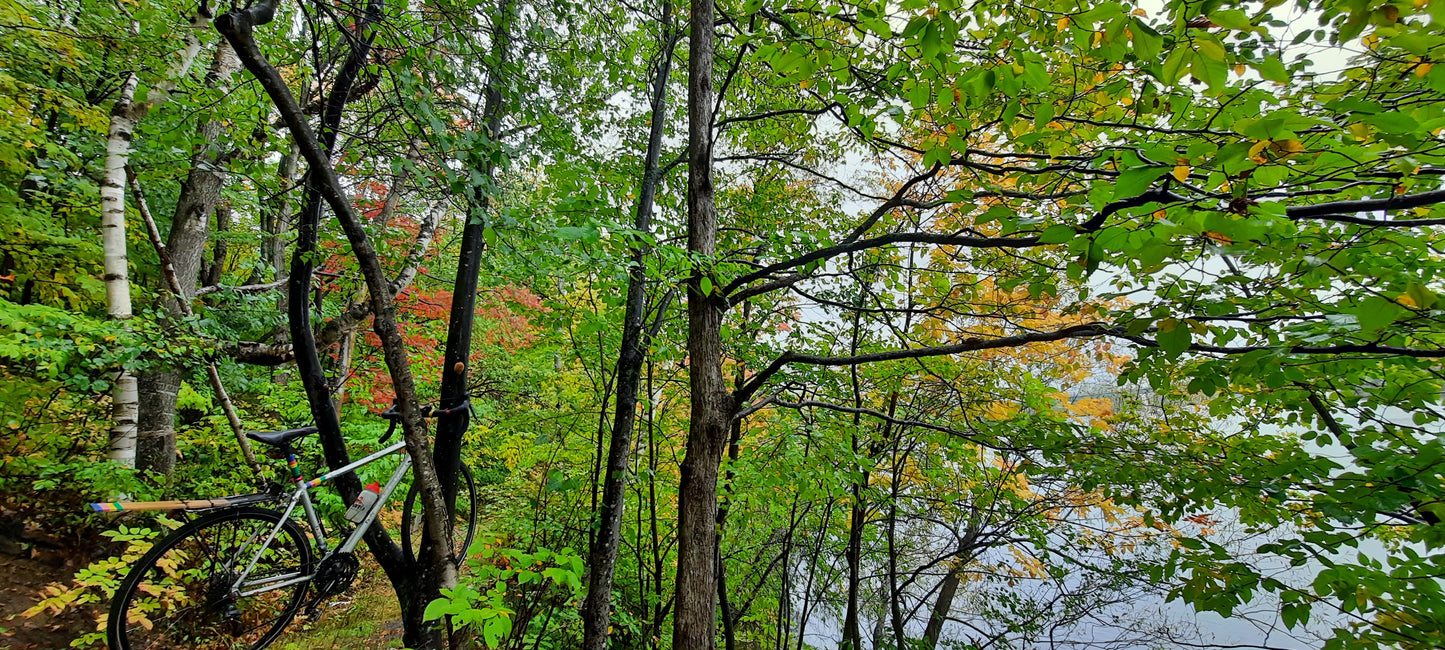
(236, 576)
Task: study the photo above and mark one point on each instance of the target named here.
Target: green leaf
(1133, 182)
(1293, 615)
(1147, 42)
(1176, 63)
(1043, 114)
(1377, 312)
(1057, 234)
(1392, 122)
(1272, 70)
(1214, 72)
(930, 42)
(1422, 297)
(1232, 19)
(1173, 337)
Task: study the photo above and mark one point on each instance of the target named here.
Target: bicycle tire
(466, 511)
(183, 574)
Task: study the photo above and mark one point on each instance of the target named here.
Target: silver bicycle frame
(302, 495)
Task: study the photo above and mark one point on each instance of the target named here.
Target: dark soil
(22, 584)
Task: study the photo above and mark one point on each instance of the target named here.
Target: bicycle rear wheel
(180, 593)
(464, 522)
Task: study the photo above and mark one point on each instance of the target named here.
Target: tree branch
(1336, 210)
(1088, 330)
(852, 244)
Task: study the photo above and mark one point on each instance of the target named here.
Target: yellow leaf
(1423, 69)
(1063, 23)
(1181, 173)
(1287, 147)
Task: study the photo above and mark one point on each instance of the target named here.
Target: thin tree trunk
(941, 606)
(655, 622)
(398, 185)
(858, 511)
(602, 556)
(451, 429)
(857, 521)
(948, 588)
(695, 619)
(895, 595)
(343, 368)
(806, 610)
(735, 436)
(281, 217)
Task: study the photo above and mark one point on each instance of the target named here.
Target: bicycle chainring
(336, 574)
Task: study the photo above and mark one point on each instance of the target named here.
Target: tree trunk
(695, 620)
(895, 595)
(217, 268)
(436, 570)
(168, 271)
(451, 429)
(124, 397)
(186, 244)
(948, 589)
(857, 521)
(858, 510)
(602, 556)
(941, 606)
(344, 357)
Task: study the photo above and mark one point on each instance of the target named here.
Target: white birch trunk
(125, 397)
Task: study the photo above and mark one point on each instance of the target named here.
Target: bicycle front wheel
(183, 593)
(464, 522)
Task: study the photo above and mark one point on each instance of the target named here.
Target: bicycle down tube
(302, 495)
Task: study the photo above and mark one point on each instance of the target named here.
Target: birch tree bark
(125, 398)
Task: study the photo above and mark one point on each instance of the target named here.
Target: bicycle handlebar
(394, 416)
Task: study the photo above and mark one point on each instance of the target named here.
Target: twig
(175, 286)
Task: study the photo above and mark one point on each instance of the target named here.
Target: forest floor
(366, 617)
(22, 584)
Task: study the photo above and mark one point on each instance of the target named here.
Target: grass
(366, 617)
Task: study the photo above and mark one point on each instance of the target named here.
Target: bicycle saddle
(280, 438)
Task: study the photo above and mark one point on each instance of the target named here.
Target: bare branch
(1088, 330)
